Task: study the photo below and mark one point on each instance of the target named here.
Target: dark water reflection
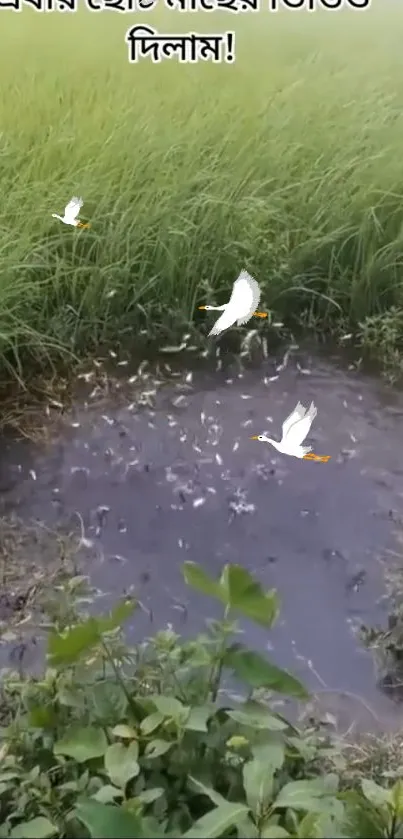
(179, 478)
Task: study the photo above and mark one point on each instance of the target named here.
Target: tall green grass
(288, 162)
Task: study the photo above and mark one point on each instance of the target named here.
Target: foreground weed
(119, 742)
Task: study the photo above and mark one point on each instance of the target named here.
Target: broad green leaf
(258, 775)
(256, 715)
(274, 831)
(247, 829)
(315, 826)
(258, 785)
(361, 818)
(126, 732)
(378, 796)
(247, 596)
(121, 763)
(72, 698)
(209, 792)
(157, 748)
(148, 796)
(150, 723)
(198, 718)
(42, 717)
(39, 828)
(273, 753)
(197, 578)
(397, 798)
(214, 823)
(168, 706)
(117, 617)
(330, 781)
(66, 647)
(308, 795)
(82, 743)
(258, 672)
(237, 741)
(107, 794)
(105, 821)
(109, 702)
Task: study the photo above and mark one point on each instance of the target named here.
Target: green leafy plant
(146, 742)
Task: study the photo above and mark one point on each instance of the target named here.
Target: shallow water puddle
(177, 477)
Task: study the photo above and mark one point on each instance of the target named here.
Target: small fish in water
(356, 581)
(142, 366)
(240, 507)
(101, 513)
(173, 349)
(85, 543)
(86, 376)
(118, 558)
(303, 370)
(284, 362)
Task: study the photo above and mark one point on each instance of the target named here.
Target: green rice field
(288, 162)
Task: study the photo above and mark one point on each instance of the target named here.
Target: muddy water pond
(163, 472)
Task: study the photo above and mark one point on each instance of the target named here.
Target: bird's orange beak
(256, 437)
(201, 307)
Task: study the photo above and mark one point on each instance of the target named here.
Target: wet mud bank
(153, 472)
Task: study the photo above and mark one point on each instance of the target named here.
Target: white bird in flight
(295, 429)
(241, 306)
(71, 212)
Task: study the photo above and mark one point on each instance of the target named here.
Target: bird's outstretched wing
(299, 428)
(226, 320)
(244, 298)
(297, 414)
(73, 208)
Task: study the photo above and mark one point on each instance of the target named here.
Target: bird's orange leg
(81, 224)
(260, 314)
(320, 458)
